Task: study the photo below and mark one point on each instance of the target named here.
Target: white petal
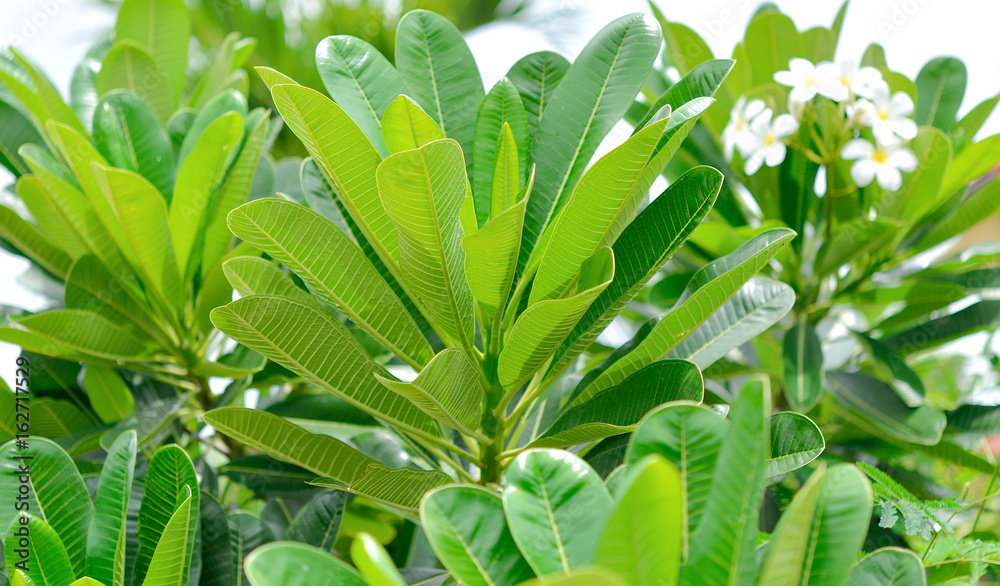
(747, 143)
(738, 108)
(904, 127)
(883, 134)
(903, 159)
(862, 172)
(880, 94)
(803, 93)
(753, 108)
(787, 78)
(775, 154)
(762, 122)
(900, 104)
(889, 178)
(828, 71)
(785, 125)
(833, 89)
(801, 66)
(857, 148)
(754, 162)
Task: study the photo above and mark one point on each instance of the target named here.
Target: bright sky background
(56, 33)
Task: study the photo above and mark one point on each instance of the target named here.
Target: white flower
(840, 81)
(764, 144)
(883, 162)
(738, 128)
(803, 77)
(887, 115)
(795, 107)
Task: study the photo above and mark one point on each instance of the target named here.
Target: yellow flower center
(880, 156)
(770, 139)
(882, 114)
(810, 80)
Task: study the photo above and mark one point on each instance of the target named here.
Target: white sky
(56, 33)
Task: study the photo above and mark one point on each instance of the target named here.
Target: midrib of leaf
(560, 547)
(468, 550)
(357, 84)
(590, 120)
(800, 376)
(434, 85)
(876, 414)
(459, 322)
(684, 473)
(376, 333)
(325, 385)
(936, 102)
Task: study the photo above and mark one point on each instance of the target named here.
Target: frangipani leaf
(795, 441)
(889, 566)
(875, 405)
(106, 539)
(467, 528)
(803, 360)
(47, 563)
(405, 126)
(281, 564)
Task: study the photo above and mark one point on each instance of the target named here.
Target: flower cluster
(760, 137)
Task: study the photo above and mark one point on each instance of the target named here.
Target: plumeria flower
(803, 77)
(795, 108)
(882, 162)
(887, 115)
(764, 144)
(844, 80)
(738, 128)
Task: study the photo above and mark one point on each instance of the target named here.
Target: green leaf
(536, 76)
(890, 366)
(553, 501)
(971, 163)
(247, 533)
(606, 200)
(685, 49)
(491, 257)
(690, 436)
(163, 28)
(222, 104)
(109, 396)
(323, 255)
(619, 409)
(50, 219)
(45, 558)
(198, 180)
(543, 326)
(374, 562)
(594, 94)
(318, 521)
(795, 441)
(277, 437)
(438, 67)
(310, 341)
(449, 389)
(405, 126)
(129, 67)
(16, 131)
(854, 239)
(347, 159)
(106, 539)
(252, 275)
(966, 129)
(642, 540)
(359, 78)
(981, 203)
(502, 108)
(940, 89)
(641, 250)
(85, 332)
(708, 290)
(281, 564)
(142, 214)
(771, 41)
(266, 476)
(934, 332)
(889, 566)
(171, 560)
(56, 493)
(34, 244)
(467, 529)
(169, 481)
(505, 188)
(342, 466)
(822, 531)
(36, 93)
(757, 306)
(723, 547)
(423, 191)
(702, 81)
(149, 421)
(874, 405)
(920, 191)
(232, 193)
(217, 563)
(803, 359)
(587, 577)
(129, 136)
